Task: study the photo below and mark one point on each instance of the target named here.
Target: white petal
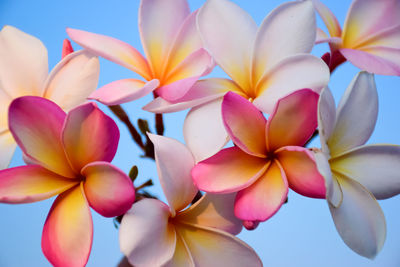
(7, 148)
(326, 117)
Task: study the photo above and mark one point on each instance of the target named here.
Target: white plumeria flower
(356, 174)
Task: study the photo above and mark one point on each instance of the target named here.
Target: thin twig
(159, 120)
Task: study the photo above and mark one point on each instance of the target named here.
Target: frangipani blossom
(265, 63)
(24, 71)
(355, 173)
(268, 157)
(69, 156)
(370, 38)
(175, 58)
(153, 234)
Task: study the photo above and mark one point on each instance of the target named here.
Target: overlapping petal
(182, 255)
(8, 146)
(326, 117)
(329, 18)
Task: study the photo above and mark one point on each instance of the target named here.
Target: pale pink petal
(213, 210)
(5, 101)
(389, 37)
(30, 184)
(68, 231)
(23, 64)
(305, 71)
(228, 32)
(301, 171)
(66, 48)
(123, 91)
(89, 135)
(358, 106)
(108, 190)
(212, 247)
(7, 147)
(373, 166)
(329, 18)
(245, 124)
(326, 117)
(36, 124)
(261, 200)
(323, 38)
(174, 162)
(159, 24)
(228, 171)
(73, 79)
(288, 30)
(145, 236)
(182, 255)
(294, 120)
(112, 49)
(359, 219)
(204, 130)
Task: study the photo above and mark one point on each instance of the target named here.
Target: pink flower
(268, 157)
(69, 156)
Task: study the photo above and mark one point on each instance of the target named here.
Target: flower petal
(68, 231)
(245, 124)
(182, 256)
(89, 135)
(358, 106)
(123, 91)
(204, 130)
(294, 120)
(112, 49)
(301, 171)
(292, 28)
(373, 166)
(108, 190)
(31, 183)
(213, 210)
(264, 198)
(66, 48)
(23, 65)
(228, 171)
(7, 147)
(329, 19)
(228, 32)
(211, 247)
(159, 24)
(145, 236)
(73, 79)
(39, 133)
(174, 162)
(326, 117)
(305, 71)
(359, 219)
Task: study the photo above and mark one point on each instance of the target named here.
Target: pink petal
(245, 124)
(292, 28)
(389, 38)
(66, 48)
(7, 147)
(145, 236)
(112, 49)
(38, 133)
(301, 171)
(109, 190)
(30, 184)
(294, 120)
(73, 79)
(68, 231)
(89, 135)
(123, 91)
(263, 199)
(329, 18)
(228, 33)
(159, 24)
(174, 162)
(228, 171)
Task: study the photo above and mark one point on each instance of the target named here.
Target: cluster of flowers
(68, 143)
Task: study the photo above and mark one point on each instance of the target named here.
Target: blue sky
(302, 233)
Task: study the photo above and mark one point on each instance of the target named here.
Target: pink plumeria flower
(370, 38)
(24, 71)
(153, 234)
(175, 57)
(353, 170)
(268, 157)
(265, 63)
(69, 156)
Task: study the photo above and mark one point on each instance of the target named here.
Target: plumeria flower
(268, 156)
(264, 63)
(370, 38)
(355, 173)
(174, 61)
(24, 71)
(153, 234)
(69, 156)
